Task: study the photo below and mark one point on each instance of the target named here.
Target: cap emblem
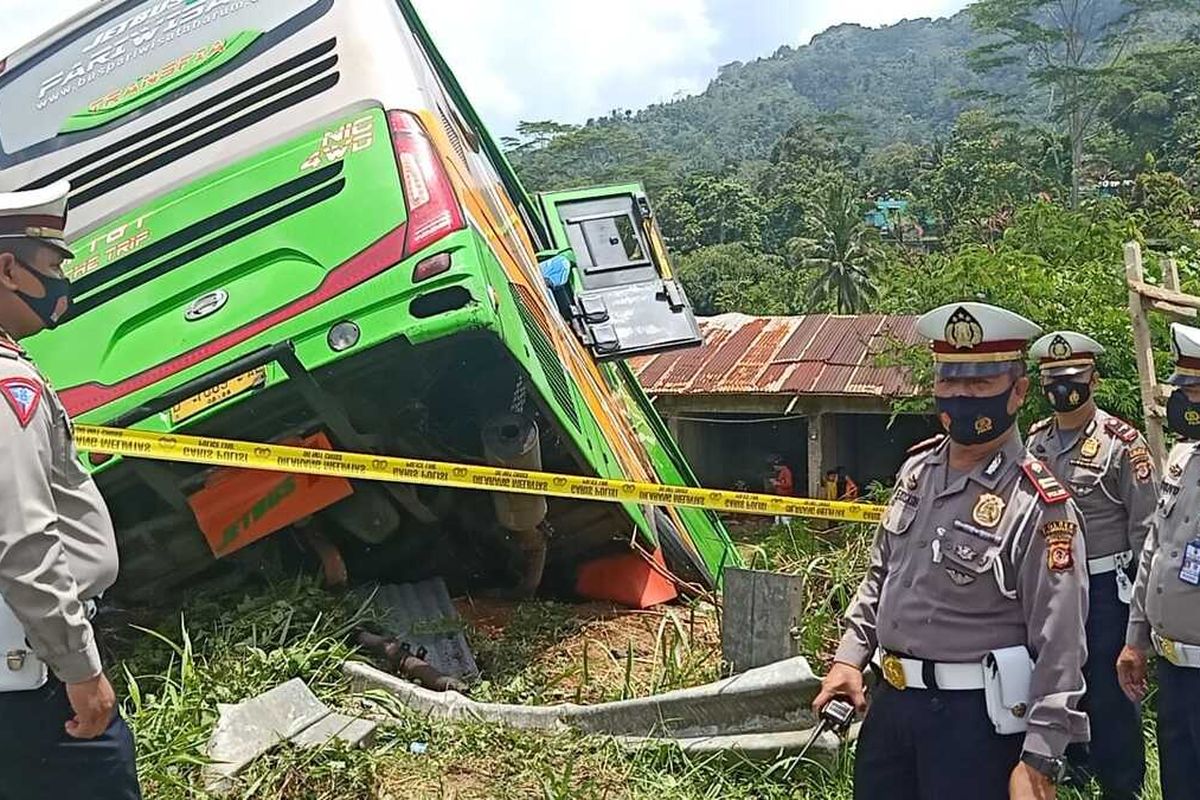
(1060, 349)
(963, 331)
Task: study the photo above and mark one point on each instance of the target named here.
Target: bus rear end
(291, 227)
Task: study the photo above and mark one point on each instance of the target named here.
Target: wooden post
(1144, 350)
(1171, 275)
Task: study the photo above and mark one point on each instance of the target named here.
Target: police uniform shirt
(57, 545)
(1110, 473)
(965, 564)
(1166, 597)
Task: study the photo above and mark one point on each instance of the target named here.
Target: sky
(570, 60)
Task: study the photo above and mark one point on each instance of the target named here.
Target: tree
(809, 155)
(1058, 267)
(735, 278)
(987, 169)
(1069, 45)
(1151, 104)
(842, 252)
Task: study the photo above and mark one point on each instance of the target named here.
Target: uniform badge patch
(959, 578)
(1060, 544)
(1048, 487)
(1176, 471)
(23, 396)
(964, 552)
(995, 465)
(1122, 430)
(1143, 465)
(1090, 448)
(988, 510)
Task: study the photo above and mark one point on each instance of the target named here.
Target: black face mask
(1183, 416)
(50, 308)
(1067, 395)
(976, 420)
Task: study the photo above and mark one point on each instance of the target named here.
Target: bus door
(624, 299)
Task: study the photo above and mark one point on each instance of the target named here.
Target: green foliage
(843, 252)
(1059, 267)
(986, 170)
(1068, 47)
(708, 210)
(733, 277)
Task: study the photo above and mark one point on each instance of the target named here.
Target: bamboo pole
(1143, 348)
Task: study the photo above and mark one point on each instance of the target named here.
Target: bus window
(125, 59)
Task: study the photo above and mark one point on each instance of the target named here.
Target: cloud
(569, 59)
(572, 60)
(25, 20)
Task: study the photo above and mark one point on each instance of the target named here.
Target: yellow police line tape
(366, 466)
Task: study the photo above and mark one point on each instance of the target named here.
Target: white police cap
(976, 340)
(1065, 354)
(38, 215)
(1185, 346)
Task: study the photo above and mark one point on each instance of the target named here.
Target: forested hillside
(1022, 142)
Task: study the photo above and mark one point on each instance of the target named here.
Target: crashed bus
(291, 226)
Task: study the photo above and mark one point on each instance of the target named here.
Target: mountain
(904, 82)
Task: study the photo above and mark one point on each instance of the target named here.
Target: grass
(175, 669)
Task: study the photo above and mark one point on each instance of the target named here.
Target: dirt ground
(591, 652)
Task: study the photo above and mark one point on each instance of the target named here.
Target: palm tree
(843, 250)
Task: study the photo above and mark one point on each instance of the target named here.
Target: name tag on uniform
(1190, 571)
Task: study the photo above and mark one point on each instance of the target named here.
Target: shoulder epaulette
(1047, 486)
(927, 445)
(1040, 425)
(10, 349)
(1122, 430)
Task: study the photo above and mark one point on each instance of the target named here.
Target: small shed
(816, 390)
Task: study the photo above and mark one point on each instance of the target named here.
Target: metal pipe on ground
(403, 662)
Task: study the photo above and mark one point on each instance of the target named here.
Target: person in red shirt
(782, 483)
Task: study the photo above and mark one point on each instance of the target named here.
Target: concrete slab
(290, 711)
(351, 730)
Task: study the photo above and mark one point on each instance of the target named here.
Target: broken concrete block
(248, 729)
(351, 730)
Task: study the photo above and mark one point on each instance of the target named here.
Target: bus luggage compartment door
(625, 300)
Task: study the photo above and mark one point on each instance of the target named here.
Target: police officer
(976, 593)
(1107, 467)
(60, 735)
(1165, 612)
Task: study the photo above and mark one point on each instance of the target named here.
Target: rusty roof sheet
(819, 354)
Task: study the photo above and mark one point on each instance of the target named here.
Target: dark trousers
(1179, 731)
(1116, 755)
(925, 744)
(39, 761)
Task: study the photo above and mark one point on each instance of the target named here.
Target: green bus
(291, 225)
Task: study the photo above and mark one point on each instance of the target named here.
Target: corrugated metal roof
(818, 354)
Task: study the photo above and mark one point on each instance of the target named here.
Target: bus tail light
(433, 208)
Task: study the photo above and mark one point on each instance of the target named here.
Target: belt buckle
(893, 672)
(1170, 651)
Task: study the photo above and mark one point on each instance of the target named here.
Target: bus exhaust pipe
(512, 441)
